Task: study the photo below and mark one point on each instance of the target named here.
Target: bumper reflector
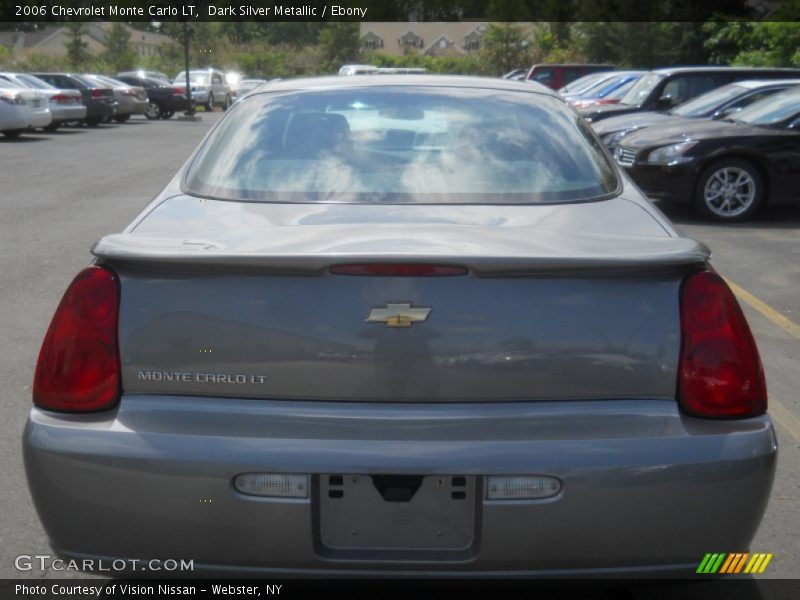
(272, 485)
(521, 487)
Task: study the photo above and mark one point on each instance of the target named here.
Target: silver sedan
(401, 325)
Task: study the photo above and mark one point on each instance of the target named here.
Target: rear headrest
(310, 134)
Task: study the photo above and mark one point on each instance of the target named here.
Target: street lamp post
(189, 106)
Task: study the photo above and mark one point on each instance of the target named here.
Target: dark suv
(662, 89)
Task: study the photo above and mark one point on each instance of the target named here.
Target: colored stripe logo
(737, 562)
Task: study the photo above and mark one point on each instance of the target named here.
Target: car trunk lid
(550, 308)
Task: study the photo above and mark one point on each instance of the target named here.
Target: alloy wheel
(729, 192)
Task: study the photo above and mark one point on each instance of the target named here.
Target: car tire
(52, 127)
(167, 115)
(210, 103)
(730, 189)
(153, 111)
(122, 118)
(12, 134)
(227, 104)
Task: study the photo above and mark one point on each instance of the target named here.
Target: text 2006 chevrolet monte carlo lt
(401, 324)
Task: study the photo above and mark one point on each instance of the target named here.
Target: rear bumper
(131, 106)
(646, 490)
(63, 114)
(41, 118)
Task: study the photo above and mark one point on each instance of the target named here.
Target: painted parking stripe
(777, 409)
(765, 309)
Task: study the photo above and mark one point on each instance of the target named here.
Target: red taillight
(78, 368)
(179, 90)
(720, 370)
(97, 93)
(60, 99)
(401, 270)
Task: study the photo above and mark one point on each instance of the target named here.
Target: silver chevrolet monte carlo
(417, 324)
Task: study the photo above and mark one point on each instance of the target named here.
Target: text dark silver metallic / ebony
(418, 325)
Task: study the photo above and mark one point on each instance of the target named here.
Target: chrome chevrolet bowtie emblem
(398, 315)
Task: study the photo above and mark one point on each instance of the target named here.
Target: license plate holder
(362, 515)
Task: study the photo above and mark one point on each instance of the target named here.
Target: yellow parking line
(765, 309)
(777, 409)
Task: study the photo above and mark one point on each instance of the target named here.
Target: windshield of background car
(641, 90)
(708, 102)
(402, 145)
(582, 83)
(771, 110)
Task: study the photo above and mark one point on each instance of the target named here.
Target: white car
(21, 109)
(66, 105)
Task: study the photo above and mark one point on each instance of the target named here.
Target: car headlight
(672, 154)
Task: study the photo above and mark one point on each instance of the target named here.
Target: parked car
(599, 82)
(131, 100)
(428, 310)
(163, 99)
(716, 104)
(516, 74)
(145, 74)
(663, 89)
(98, 98)
(583, 83)
(208, 86)
(357, 70)
(65, 105)
(556, 76)
(603, 87)
(245, 86)
(727, 169)
(613, 97)
(21, 109)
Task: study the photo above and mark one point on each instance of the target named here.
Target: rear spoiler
(484, 250)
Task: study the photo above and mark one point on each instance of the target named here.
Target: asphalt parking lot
(59, 192)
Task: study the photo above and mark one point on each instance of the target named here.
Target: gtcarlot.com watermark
(45, 562)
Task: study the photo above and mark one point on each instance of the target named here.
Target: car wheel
(210, 103)
(122, 118)
(52, 127)
(12, 134)
(153, 111)
(227, 104)
(729, 190)
(167, 115)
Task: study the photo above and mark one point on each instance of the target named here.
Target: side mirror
(665, 102)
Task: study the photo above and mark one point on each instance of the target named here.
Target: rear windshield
(402, 144)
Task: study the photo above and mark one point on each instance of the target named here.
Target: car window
(707, 103)
(402, 145)
(571, 74)
(543, 75)
(216, 79)
(34, 82)
(683, 87)
(752, 98)
(642, 89)
(773, 110)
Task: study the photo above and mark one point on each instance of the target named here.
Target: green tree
(505, 46)
(339, 42)
(77, 48)
(119, 51)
